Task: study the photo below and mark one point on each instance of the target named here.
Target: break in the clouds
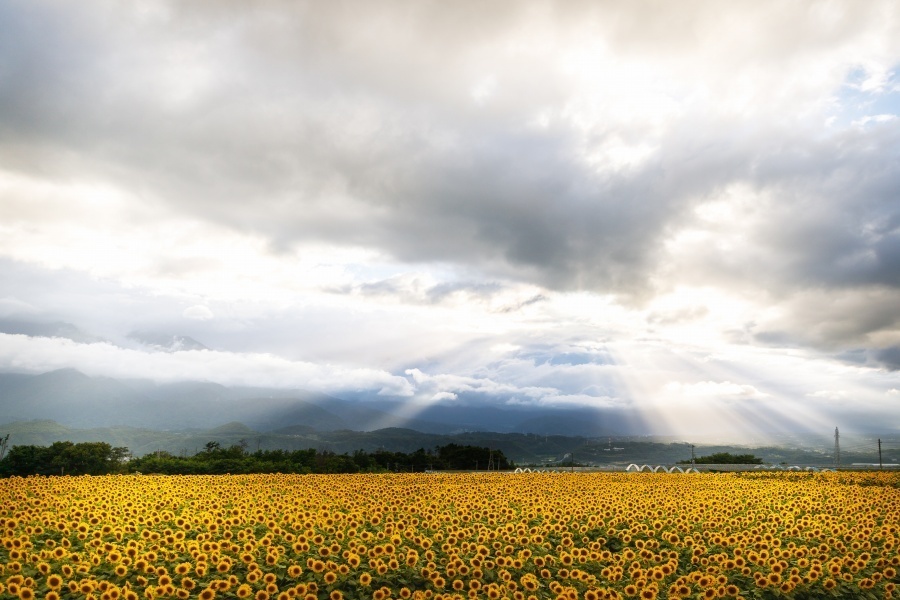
(514, 202)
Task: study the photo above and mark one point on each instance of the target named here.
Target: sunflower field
(440, 536)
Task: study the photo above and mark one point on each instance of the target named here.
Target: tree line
(99, 458)
(64, 458)
(724, 458)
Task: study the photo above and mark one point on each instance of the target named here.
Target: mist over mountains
(152, 341)
(165, 342)
(48, 329)
(74, 399)
(160, 399)
(181, 417)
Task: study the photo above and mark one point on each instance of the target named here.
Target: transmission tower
(837, 448)
(3, 444)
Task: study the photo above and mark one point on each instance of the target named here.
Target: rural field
(437, 536)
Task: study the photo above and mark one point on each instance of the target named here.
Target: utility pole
(837, 449)
(693, 458)
(880, 464)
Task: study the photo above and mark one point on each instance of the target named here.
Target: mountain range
(523, 449)
(179, 417)
(74, 399)
(78, 400)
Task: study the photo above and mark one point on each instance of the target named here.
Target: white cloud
(832, 395)
(877, 119)
(714, 389)
(483, 90)
(11, 305)
(561, 400)
(475, 385)
(198, 312)
(515, 202)
(38, 355)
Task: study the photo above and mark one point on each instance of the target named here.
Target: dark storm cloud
(889, 357)
(312, 123)
(821, 242)
(836, 219)
(856, 324)
(411, 129)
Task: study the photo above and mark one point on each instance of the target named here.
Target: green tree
(27, 460)
(725, 458)
(64, 458)
(87, 458)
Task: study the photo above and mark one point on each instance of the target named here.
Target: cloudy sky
(689, 210)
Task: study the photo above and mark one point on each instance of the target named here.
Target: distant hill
(70, 397)
(521, 448)
(74, 399)
(182, 417)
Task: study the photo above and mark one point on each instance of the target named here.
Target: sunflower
(207, 594)
(648, 593)
(26, 593)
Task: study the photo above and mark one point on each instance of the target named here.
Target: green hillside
(521, 448)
